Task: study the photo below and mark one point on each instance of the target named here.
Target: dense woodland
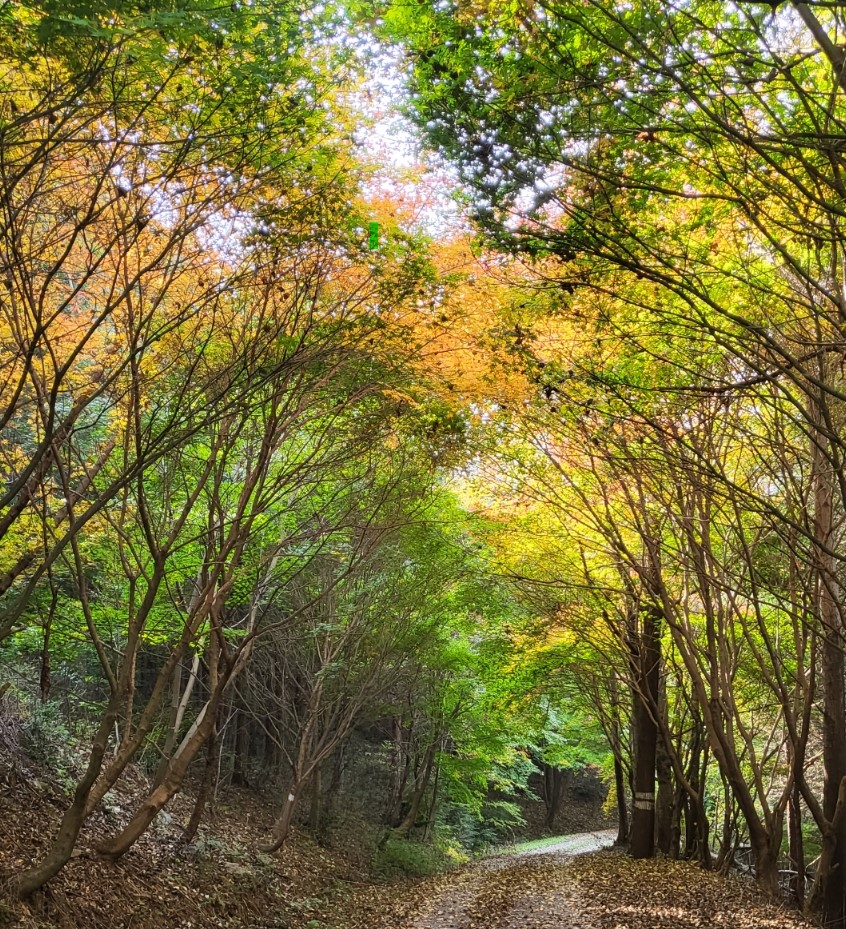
(545, 476)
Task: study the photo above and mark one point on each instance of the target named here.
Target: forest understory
(220, 881)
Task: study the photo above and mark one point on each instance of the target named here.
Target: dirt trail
(578, 844)
(560, 886)
(521, 890)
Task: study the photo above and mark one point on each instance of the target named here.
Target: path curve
(514, 890)
(580, 843)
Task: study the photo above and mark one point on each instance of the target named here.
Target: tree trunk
(334, 788)
(622, 810)
(169, 786)
(172, 723)
(282, 826)
(400, 758)
(698, 832)
(697, 827)
(729, 833)
(553, 793)
(65, 841)
(242, 750)
(619, 774)
(646, 736)
(179, 704)
(766, 864)
(797, 847)
(665, 803)
(206, 788)
(433, 806)
(410, 819)
(680, 800)
(829, 899)
(314, 810)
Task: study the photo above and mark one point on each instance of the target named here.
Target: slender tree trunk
(704, 839)
(334, 788)
(400, 758)
(619, 774)
(697, 827)
(433, 806)
(410, 819)
(797, 847)
(45, 680)
(242, 750)
(729, 833)
(172, 722)
(206, 787)
(553, 793)
(646, 736)
(64, 843)
(316, 791)
(829, 899)
(622, 809)
(679, 803)
(282, 826)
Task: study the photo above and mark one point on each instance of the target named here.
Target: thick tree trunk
(642, 842)
(766, 863)
(665, 802)
(553, 793)
(829, 899)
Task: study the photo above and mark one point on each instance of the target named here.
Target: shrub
(406, 858)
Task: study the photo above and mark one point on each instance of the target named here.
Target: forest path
(524, 889)
(558, 885)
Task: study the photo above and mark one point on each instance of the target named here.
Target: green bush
(406, 858)
(48, 739)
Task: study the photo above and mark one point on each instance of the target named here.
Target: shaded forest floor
(220, 881)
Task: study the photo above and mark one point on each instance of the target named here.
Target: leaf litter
(603, 890)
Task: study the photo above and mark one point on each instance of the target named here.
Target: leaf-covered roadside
(616, 892)
(605, 890)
